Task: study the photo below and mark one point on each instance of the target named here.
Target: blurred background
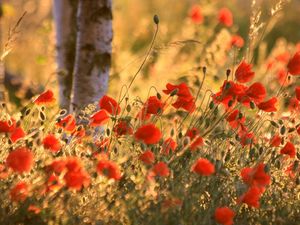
(33, 55)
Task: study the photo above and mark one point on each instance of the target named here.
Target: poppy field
(218, 145)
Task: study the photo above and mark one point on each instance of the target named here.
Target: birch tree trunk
(64, 12)
(93, 52)
(2, 87)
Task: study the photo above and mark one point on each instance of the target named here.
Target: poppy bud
(228, 71)
(156, 19)
(252, 105)
(274, 124)
(204, 69)
(211, 105)
(282, 130)
(158, 95)
(174, 92)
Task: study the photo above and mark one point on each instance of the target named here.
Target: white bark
(64, 12)
(93, 52)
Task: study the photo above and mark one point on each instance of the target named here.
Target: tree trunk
(64, 12)
(2, 87)
(93, 52)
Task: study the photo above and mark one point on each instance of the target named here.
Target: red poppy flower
(196, 14)
(153, 106)
(192, 133)
(58, 166)
(20, 160)
(297, 91)
(181, 90)
(251, 197)
(123, 127)
(282, 77)
(246, 138)
(53, 183)
(34, 209)
(256, 93)
(187, 103)
(19, 192)
(161, 169)
(275, 141)
(17, 134)
(147, 157)
(73, 164)
(7, 126)
(294, 104)
(225, 17)
(224, 215)
(198, 142)
(237, 41)
(77, 179)
(45, 98)
(234, 120)
(109, 169)
(110, 105)
(293, 65)
(52, 143)
(268, 106)
(289, 149)
(99, 118)
(149, 134)
(203, 167)
(244, 73)
(256, 176)
(169, 144)
(68, 123)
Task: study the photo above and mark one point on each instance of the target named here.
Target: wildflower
(293, 65)
(52, 143)
(169, 144)
(17, 134)
(77, 179)
(7, 126)
(246, 138)
(196, 14)
(294, 104)
(147, 157)
(237, 41)
(99, 118)
(20, 160)
(251, 197)
(57, 166)
(192, 133)
(224, 215)
(185, 99)
(153, 106)
(297, 92)
(225, 17)
(234, 120)
(149, 134)
(19, 192)
(269, 105)
(68, 123)
(53, 183)
(289, 149)
(196, 143)
(256, 176)
(45, 98)
(275, 141)
(161, 169)
(244, 73)
(203, 167)
(34, 209)
(109, 169)
(110, 105)
(256, 93)
(123, 127)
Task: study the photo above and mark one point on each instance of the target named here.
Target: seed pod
(227, 86)
(172, 132)
(156, 19)
(186, 141)
(174, 92)
(230, 103)
(158, 95)
(204, 69)
(228, 71)
(261, 149)
(240, 116)
(62, 112)
(291, 130)
(274, 124)
(42, 116)
(128, 108)
(267, 168)
(252, 105)
(211, 105)
(180, 135)
(282, 130)
(107, 131)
